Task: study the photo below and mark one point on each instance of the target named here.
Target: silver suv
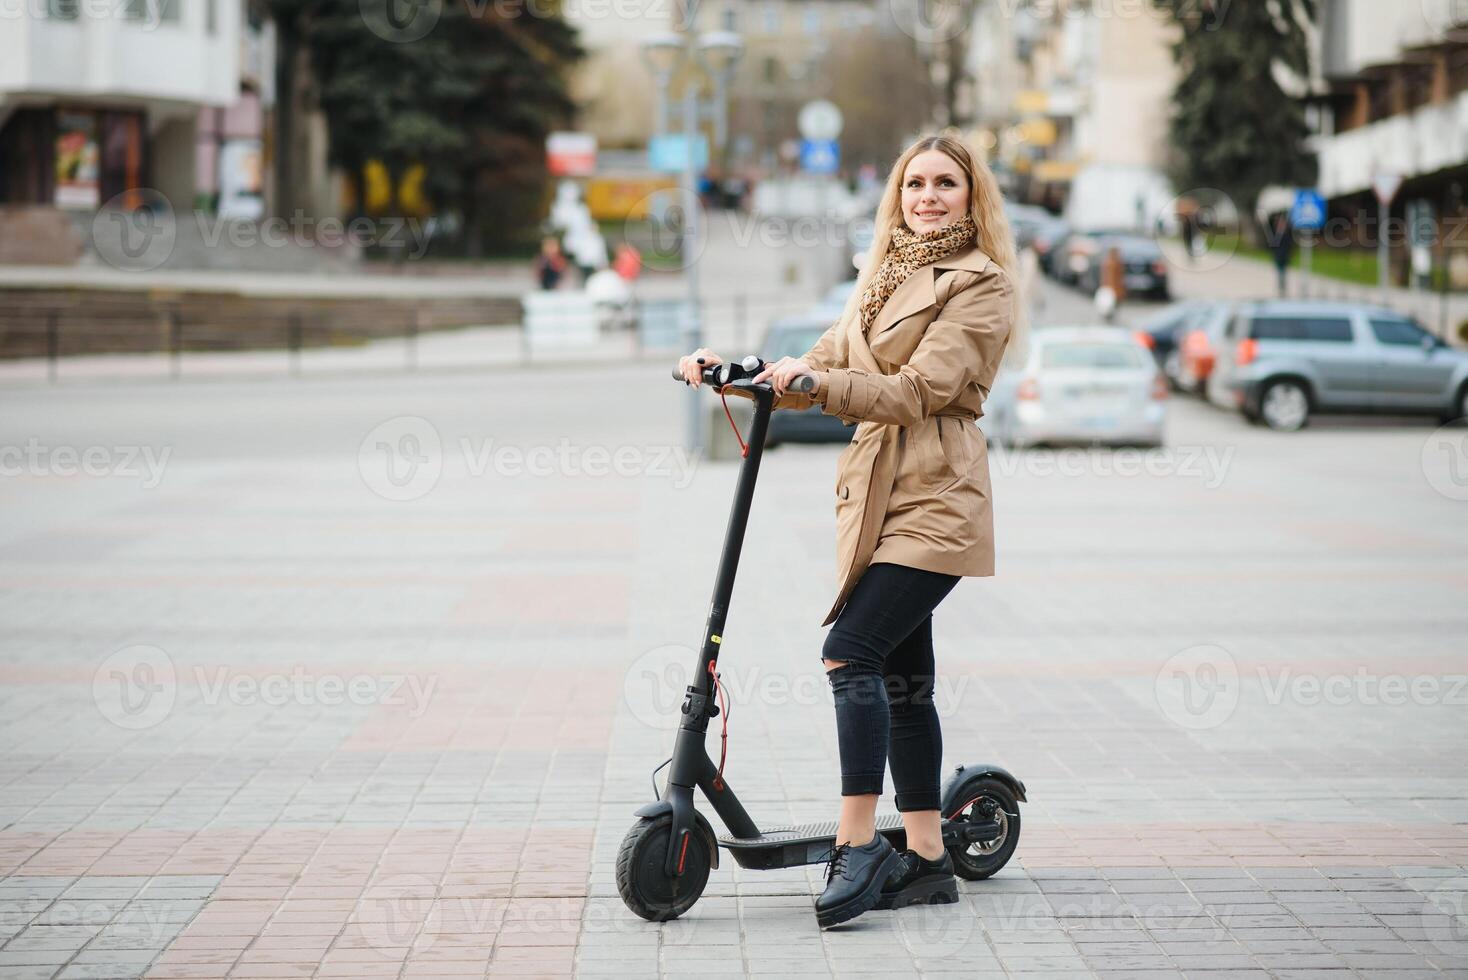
(1283, 360)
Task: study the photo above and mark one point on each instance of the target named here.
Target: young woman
(911, 360)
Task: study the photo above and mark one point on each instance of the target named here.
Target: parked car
(1285, 361)
(1073, 255)
(1079, 385)
(1144, 269)
(835, 298)
(1160, 332)
(1047, 237)
(1198, 345)
(1025, 220)
(792, 336)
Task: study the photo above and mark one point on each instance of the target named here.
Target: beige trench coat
(913, 486)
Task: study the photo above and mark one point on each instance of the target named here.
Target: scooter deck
(808, 843)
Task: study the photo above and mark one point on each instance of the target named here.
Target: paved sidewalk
(315, 678)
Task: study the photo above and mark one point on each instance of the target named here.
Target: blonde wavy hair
(985, 205)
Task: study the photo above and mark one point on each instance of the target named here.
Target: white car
(1079, 385)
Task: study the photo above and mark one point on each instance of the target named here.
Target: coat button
(845, 492)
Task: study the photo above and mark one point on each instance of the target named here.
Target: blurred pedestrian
(588, 250)
(628, 263)
(1113, 284)
(1282, 247)
(1030, 291)
(550, 264)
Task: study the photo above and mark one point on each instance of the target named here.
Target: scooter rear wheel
(979, 860)
(646, 888)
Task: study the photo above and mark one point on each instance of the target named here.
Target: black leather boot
(918, 881)
(854, 877)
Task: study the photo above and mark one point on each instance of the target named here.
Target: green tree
(470, 99)
(1234, 127)
(518, 67)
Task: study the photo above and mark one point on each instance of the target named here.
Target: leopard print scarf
(908, 252)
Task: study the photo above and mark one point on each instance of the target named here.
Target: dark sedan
(792, 336)
(1144, 268)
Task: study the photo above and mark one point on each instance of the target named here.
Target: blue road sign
(667, 154)
(819, 156)
(1308, 213)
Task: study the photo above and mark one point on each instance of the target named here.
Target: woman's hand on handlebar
(692, 366)
(783, 372)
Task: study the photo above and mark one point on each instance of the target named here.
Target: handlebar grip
(803, 384)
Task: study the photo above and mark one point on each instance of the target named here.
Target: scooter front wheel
(645, 887)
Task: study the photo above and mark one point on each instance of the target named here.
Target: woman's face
(934, 191)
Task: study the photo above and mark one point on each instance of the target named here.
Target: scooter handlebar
(719, 375)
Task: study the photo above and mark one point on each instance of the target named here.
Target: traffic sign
(1308, 212)
(1386, 187)
(819, 120)
(668, 154)
(819, 156)
(570, 154)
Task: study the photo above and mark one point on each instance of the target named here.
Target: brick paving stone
(462, 817)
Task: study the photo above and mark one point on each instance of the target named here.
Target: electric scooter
(665, 859)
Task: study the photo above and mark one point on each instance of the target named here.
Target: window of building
(771, 13)
(731, 18)
(811, 20)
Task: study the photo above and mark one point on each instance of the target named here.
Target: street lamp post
(715, 53)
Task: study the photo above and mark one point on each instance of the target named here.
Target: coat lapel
(918, 291)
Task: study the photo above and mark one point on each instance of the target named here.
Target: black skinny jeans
(884, 694)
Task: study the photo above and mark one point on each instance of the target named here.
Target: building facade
(1390, 98)
(1066, 86)
(101, 105)
(788, 45)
